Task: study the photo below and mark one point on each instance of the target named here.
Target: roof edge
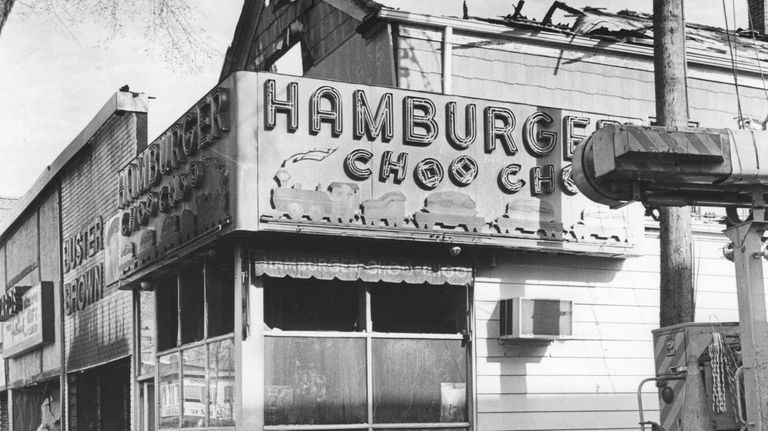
(698, 57)
(120, 102)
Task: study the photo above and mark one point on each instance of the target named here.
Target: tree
(170, 24)
(5, 10)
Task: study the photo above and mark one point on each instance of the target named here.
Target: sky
(54, 77)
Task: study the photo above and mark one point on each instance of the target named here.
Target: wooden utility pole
(676, 299)
(672, 110)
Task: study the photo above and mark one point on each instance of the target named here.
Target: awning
(363, 266)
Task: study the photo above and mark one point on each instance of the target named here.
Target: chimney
(757, 15)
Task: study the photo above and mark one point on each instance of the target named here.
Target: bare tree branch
(170, 24)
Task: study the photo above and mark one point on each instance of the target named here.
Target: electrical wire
(733, 67)
(759, 66)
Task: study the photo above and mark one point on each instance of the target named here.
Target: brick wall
(71, 401)
(100, 332)
(4, 424)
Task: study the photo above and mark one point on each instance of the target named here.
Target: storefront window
(193, 387)
(417, 362)
(420, 309)
(169, 391)
(220, 297)
(192, 304)
(147, 332)
(199, 392)
(167, 313)
(419, 381)
(312, 305)
(315, 381)
(221, 383)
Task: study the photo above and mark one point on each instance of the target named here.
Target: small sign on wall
(33, 325)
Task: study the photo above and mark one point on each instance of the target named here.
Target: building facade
(350, 243)
(64, 326)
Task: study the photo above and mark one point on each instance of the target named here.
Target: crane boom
(696, 166)
(671, 166)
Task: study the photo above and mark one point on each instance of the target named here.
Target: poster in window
(453, 402)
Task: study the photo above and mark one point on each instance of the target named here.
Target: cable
(759, 66)
(733, 67)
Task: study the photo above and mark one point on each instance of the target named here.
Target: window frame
(181, 348)
(369, 335)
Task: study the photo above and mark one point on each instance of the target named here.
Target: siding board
(560, 384)
(566, 367)
(568, 349)
(50, 270)
(609, 420)
(588, 330)
(578, 402)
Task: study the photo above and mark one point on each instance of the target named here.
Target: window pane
(420, 309)
(220, 290)
(168, 391)
(221, 383)
(193, 390)
(314, 381)
(167, 313)
(192, 303)
(147, 406)
(147, 331)
(312, 305)
(419, 381)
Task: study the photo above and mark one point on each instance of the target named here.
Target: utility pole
(676, 301)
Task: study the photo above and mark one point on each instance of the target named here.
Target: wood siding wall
(588, 382)
(361, 61)
(31, 254)
(592, 80)
(324, 29)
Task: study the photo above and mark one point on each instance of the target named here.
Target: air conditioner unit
(535, 319)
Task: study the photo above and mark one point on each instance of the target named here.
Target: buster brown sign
(88, 285)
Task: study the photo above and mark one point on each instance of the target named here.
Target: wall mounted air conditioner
(535, 319)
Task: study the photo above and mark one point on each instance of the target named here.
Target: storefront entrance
(36, 406)
(102, 397)
(362, 337)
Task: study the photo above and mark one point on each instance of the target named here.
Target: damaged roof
(625, 26)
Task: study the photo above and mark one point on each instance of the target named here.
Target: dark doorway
(103, 397)
(115, 396)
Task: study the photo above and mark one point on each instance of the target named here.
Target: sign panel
(390, 163)
(177, 190)
(267, 152)
(33, 325)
